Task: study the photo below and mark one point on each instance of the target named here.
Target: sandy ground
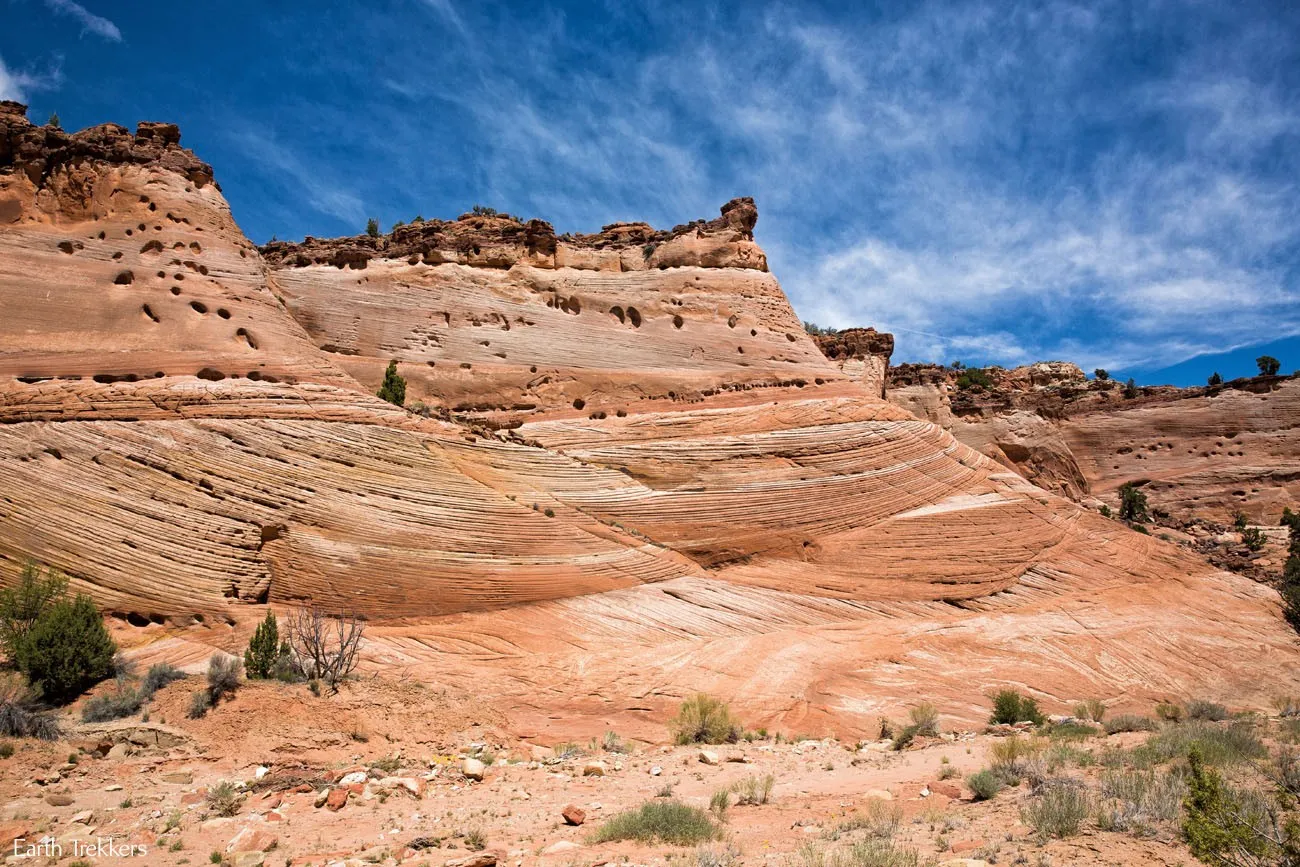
(404, 745)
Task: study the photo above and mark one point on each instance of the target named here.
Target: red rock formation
(862, 353)
(682, 494)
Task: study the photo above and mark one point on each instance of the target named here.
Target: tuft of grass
(475, 841)
(703, 719)
(1058, 810)
(874, 852)
(985, 784)
(1129, 722)
(719, 803)
(123, 701)
(159, 675)
(1170, 711)
(754, 791)
(6, 749)
(1073, 732)
(224, 799)
(669, 822)
(200, 704)
(1206, 710)
(1132, 801)
(1218, 745)
(1012, 755)
(1093, 709)
(21, 713)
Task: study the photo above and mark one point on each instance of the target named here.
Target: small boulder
(321, 797)
(473, 769)
(336, 799)
(252, 840)
(573, 815)
(560, 847)
(58, 799)
(352, 778)
(480, 859)
(879, 794)
(594, 769)
(183, 778)
(708, 757)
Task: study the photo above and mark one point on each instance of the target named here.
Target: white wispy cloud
(999, 180)
(284, 168)
(89, 21)
(18, 84)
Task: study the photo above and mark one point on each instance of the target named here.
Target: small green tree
(264, 649)
(1009, 707)
(54, 120)
(1268, 365)
(974, 377)
(1132, 504)
(1131, 388)
(1221, 826)
(1101, 374)
(67, 649)
(21, 606)
(1215, 378)
(372, 227)
(393, 389)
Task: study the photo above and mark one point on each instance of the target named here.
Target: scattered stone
(58, 799)
(11, 831)
(573, 815)
(948, 790)
(260, 772)
(879, 794)
(353, 778)
(473, 769)
(656, 771)
(248, 859)
(113, 788)
(85, 817)
(183, 778)
(321, 797)
(594, 769)
(738, 757)
(708, 757)
(252, 840)
(336, 799)
(120, 751)
(560, 847)
(480, 859)
(541, 754)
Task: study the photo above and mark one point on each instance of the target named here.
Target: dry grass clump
(659, 822)
(1058, 809)
(754, 791)
(1092, 709)
(703, 719)
(1133, 801)
(1129, 722)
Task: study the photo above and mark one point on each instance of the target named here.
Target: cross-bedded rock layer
(681, 493)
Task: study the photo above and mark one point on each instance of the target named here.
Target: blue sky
(995, 182)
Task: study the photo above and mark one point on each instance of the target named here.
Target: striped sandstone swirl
(639, 476)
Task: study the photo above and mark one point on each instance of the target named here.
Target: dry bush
(324, 646)
(704, 719)
(1058, 810)
(754, 791)
(21, 713)
(1093, 709)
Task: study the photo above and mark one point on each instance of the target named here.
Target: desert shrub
(372, 227)
(874, 852)
(223, 675)
(610, 742)
(719, 803)
(393, 388)
(1093, 709)
(1011, 755)
(754, 790)
(974, 377)
(1128, 722)
(6, 749)
(21, 712)
(123, 701)
(1101, 374)
(1131, 801)
(1217, 745)
(159, 675)
(659, 822)
(66, 649)
(879, 819)
(1215, 379)
(985, 784)
(1230, 826)
(1206, 710)
(1009, 706)
(475, 841)
(1073, 732)
(1253, 538)
(1131, 389)
(1132, 504)
(703, 719)
(200, 703)
(1170, 711)
(324, 647)
(265, 649)
(727, 856)
(224, 799)
(1058, 809)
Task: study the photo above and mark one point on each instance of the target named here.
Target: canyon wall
(625, 472)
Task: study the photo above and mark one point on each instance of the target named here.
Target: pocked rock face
(679, 480)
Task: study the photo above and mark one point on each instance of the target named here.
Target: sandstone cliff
(681, 491)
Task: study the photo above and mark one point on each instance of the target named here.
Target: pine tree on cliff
(372, 227)
(1216, 379)
(394, 388)
(54, 121)
(1268, 365)
(264, 649)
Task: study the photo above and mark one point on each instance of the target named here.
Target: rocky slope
(635, 475)
(1202, 452)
